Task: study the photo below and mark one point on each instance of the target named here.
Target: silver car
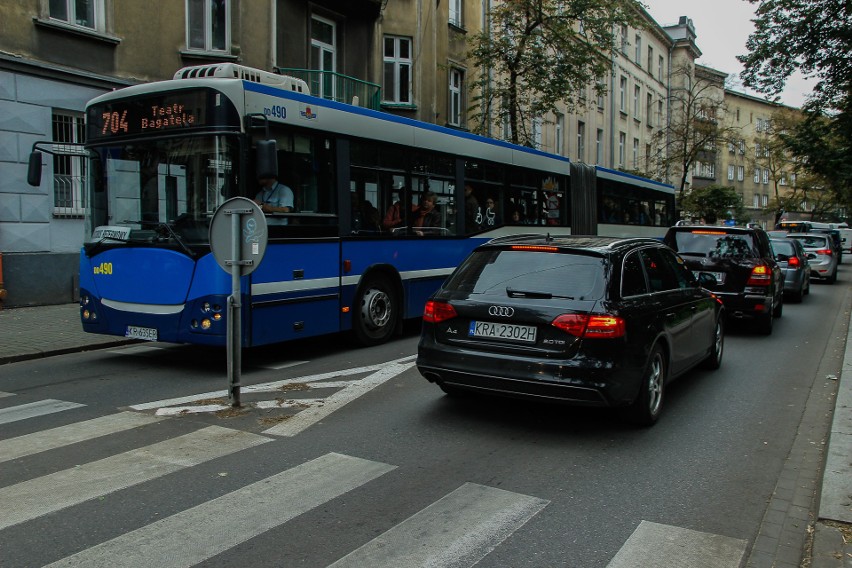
(821, 255)
(793, 261)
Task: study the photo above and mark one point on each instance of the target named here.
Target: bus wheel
(376, 313)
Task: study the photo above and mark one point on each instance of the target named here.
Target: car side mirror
(707, 280)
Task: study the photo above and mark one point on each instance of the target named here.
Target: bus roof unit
(234, 71)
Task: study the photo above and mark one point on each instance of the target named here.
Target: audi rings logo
(501, 311)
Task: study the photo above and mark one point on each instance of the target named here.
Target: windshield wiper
(177, 239)
(514, 293)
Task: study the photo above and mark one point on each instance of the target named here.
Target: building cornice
(22, 64)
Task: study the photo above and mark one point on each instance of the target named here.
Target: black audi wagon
(593, 321)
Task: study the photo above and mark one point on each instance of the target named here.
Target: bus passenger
(427, 215)
(394, 216)
(274, 197)
(472, 214)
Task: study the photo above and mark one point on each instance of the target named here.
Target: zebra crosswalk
(482, 518)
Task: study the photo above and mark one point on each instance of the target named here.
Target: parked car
(597, 321)
(748, 279)
(793, 261)
(821, 255)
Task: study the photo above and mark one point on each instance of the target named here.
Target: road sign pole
(238, 245)
(235, 343)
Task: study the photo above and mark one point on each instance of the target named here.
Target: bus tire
(376, 312)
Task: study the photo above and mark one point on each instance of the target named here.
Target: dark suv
(748, 279)
(593, 321)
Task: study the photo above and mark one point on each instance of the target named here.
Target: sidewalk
(31, 333)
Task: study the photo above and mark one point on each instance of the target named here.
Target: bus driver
(274, 197)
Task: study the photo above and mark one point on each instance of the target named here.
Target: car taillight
(586, 326)
(826, 252)
(761, 275)
(436, 312)
(793, 261)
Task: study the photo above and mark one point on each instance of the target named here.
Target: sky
(722, 28)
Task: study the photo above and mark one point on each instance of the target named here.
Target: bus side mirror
(266, 164)
(34, 169)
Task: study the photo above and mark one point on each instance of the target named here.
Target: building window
(622, 94)
(323, 57)
(208, 24)
(581, 141)
(765, 176)
(650, 59)
(740, 173)
(637, 50)
(756, 201)
(637, 96)
(649, 109)
(560, 133)
(624, 39)
(783, 179)
(635, 153)
(659, 113)
(765, 201)
(601, 90)
(456, 97)
(660, 68)
(741, 147)
(537, 124)
(599, 146)
(757, 175)
(397, 70)
(456, 8)
(622, 140)
(69, 167)
(83, 13)
(731, 173)
(647, 158)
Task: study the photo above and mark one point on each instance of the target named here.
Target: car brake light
(436, 312)
(793, 261)
(582, 325)
(761, 275)
(826, 252)
(534, 248)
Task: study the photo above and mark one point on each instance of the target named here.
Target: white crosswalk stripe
(30, 499)
(197, 534)
(44, 440)
(654, 545)
(482, 517)
(35, 409)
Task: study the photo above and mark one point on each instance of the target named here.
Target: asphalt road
(346, 456)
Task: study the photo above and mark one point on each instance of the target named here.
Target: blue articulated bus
(379, 209)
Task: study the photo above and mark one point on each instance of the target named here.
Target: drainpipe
(2, 290)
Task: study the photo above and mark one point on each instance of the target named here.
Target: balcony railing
(338, 87)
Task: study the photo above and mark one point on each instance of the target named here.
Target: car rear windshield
(493, 271)
(715, 244)
(783, 247)
(811, 241)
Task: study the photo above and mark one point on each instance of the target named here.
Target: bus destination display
(156, 114)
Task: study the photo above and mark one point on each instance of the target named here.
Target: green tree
(813, 37)
(714, 204)
(533, 54)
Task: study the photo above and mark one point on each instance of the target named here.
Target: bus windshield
(160, 191)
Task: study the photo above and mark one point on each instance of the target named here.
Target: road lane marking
(663, 546)
(35, 409)
(481, 518)
(31, 499)
(37, 442)
(5, 394)
(307, 417)
(197, 534)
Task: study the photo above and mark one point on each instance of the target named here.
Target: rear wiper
(513, 293)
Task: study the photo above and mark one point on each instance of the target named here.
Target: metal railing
(337, 87)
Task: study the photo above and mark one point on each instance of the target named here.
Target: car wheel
(376, 313)
(833, 278)
(764, 324)
(646, 409)
(779, 308)
(796, 297)
(714, 359)
(807, 288)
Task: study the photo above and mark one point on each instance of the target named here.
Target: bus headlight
(206, 323)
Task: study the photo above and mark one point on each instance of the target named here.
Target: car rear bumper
(745, 306)
(586, 382)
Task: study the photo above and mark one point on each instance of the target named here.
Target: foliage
(534, 54)
(696, 127)
(713, 203)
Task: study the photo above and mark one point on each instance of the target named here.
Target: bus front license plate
(146, 333)
(504, 331)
